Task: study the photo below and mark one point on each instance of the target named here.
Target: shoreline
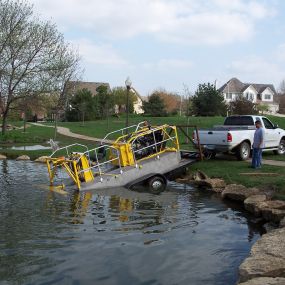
(265, 264)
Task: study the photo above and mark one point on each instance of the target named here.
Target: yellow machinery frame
(122, 153)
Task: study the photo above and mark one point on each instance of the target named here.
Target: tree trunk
(4, 121)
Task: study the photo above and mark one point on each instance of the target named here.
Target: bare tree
(34, 59)
(282, 87)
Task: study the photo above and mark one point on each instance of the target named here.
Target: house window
(267, 97)
(229, 96)
(249, 96)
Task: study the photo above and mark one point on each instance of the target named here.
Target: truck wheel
(243, 151)
(281, 147)
(156, 184)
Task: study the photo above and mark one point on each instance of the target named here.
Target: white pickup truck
(236, 136)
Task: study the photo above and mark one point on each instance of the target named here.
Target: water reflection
(116, 236)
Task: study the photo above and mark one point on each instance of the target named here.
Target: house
(260, 94)
(138, 103)
(74, 86)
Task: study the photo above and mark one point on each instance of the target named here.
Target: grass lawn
(34, 135)
(231, 171)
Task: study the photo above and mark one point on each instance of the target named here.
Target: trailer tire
(243, 151)
(281, 148)
(156, 184)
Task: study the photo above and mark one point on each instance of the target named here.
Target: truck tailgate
(213, 137)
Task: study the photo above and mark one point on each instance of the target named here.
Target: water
(182, 236)
(27, 147)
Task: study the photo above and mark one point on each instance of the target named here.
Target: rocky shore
(266, 262)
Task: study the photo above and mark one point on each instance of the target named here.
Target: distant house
(74, 86)
(138, 103)
(262, 94)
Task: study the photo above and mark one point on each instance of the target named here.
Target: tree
(82, 106)
(104, 101)
(155, 106)
(172, 101)
(208, 101)
(119, 95)
(262, 108)
(34, 59)
(242, 106)
(282, 87)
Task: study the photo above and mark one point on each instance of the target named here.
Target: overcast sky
(173, 43)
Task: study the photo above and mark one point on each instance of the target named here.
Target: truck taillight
(229, 137)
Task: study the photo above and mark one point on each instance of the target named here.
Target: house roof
(74, 86)
(137, 93)
(234, 85)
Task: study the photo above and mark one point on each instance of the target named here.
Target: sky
(173, 44)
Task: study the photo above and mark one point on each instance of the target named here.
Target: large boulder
(2, 157)
(267, 257)
(252, 204)
(41, 159)
(215, 184)
(23, 157)
(238, 192)
(282, 223)
(265, 281)
(273, 210)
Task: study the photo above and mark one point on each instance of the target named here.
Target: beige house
(260, 94)
(138, 103)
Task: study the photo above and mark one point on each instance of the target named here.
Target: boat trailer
(139, 155)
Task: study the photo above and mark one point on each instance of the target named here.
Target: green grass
(34, 135)
(231, 171)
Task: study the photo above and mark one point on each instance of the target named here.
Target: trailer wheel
(156, 184)
(243, 151)
(281, 148)
(208, 154)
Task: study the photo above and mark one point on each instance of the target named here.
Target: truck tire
(281, 148)
(156, 184)
(243, 151)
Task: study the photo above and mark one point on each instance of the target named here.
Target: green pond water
(117, 236)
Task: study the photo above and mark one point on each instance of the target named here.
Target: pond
(27, 147)
(117, 236)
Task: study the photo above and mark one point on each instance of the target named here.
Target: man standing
(258, 144)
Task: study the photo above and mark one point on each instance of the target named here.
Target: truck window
(267, 124)
(239, 121)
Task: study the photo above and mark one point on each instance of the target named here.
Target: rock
(267, 257)
(199, 175)
(273, 210)
(270, 226)
(215, 184)
(23, 157)
(238, 192)
(265, 281)
(282, 223)
(253, 202)
(41, 159)
(2, 157)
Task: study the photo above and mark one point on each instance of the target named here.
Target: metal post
(128, 99)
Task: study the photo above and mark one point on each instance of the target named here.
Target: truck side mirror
(276, 126)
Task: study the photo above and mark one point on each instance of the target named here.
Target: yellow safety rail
(146, 143)
(127, 150)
